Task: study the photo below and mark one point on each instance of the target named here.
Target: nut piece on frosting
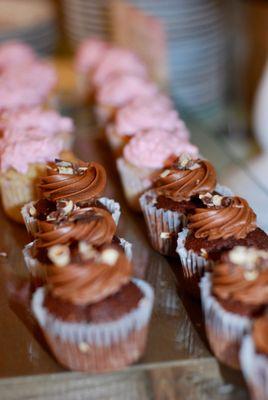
(59, 255)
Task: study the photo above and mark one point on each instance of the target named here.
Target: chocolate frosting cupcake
(222, 223)
(240, 281)
(78, 181)
(96, 289)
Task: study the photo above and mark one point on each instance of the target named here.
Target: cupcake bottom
(134, 181)
(255, 370)
(225, 330)
(163, 225)
(97, 347)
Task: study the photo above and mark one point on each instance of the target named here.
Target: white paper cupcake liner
(192, 263)
(134, 182)
(101, 334)
(38, 271)
(225, 329)
(163, 225)
(113, 207)
(97, 347)
(31, 222)
(255, 369)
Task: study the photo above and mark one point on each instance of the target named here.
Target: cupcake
(219, 224)
(138, 116)
(22, 163)
(233, 294)
(14, 54)
(118, 91)
(173, 196)
(145, 155)
(77, 183)
(88, 56)
(254, 359)
(72, 227)
(93, 315)
(37, 123)
(27, 86)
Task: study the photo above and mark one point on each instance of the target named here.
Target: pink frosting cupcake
(88, 56)
(15, 54)
(21, 163)
(153, 113)
(118, 61)
(37, 123)
(119, 91)
(145, 155)
(27, 86)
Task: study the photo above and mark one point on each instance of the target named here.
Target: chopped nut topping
(52, 216)
(84, 347)
(165, 173)
(66, 170)
(203, 253)
(248, 257)
(206, 198)
(251, 275)
(65, 206)
(86, 250)
(109, 256)
(165, 235)
(59, 255)
(62, 163)
(32, 211)
(217, 200)
(82, 168)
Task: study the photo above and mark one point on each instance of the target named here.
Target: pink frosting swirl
(122, 89)
(138, 117)
(35, 123)
(89, 54)
(153, 148)
(26, 86)
(20, 154)
(117, 61)
(15, 54)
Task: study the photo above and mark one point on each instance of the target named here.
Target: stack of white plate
(197, 51)
(31, 21)
(85, 18)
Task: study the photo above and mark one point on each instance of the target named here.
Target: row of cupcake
(32, 132)
(93, 313)
(142, 127)
(212, 233)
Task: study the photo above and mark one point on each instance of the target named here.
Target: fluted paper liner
(97, 347)
(255, 369)
(163, 225)
(38, 271)
(225, 329)
(31, 222)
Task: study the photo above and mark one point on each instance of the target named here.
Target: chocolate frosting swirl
(91, 281)
(179, 184)
(92, 224)
(73, 181)
(239, 284)
(233, 218)
(260, 334)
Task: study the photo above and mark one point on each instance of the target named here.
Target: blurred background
(212, 56)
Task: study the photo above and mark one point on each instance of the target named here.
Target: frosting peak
(89, 54)
(222, 217)
(180, 182)
(153, 148)
(14, 54)
(97, 278)
(73, 181)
